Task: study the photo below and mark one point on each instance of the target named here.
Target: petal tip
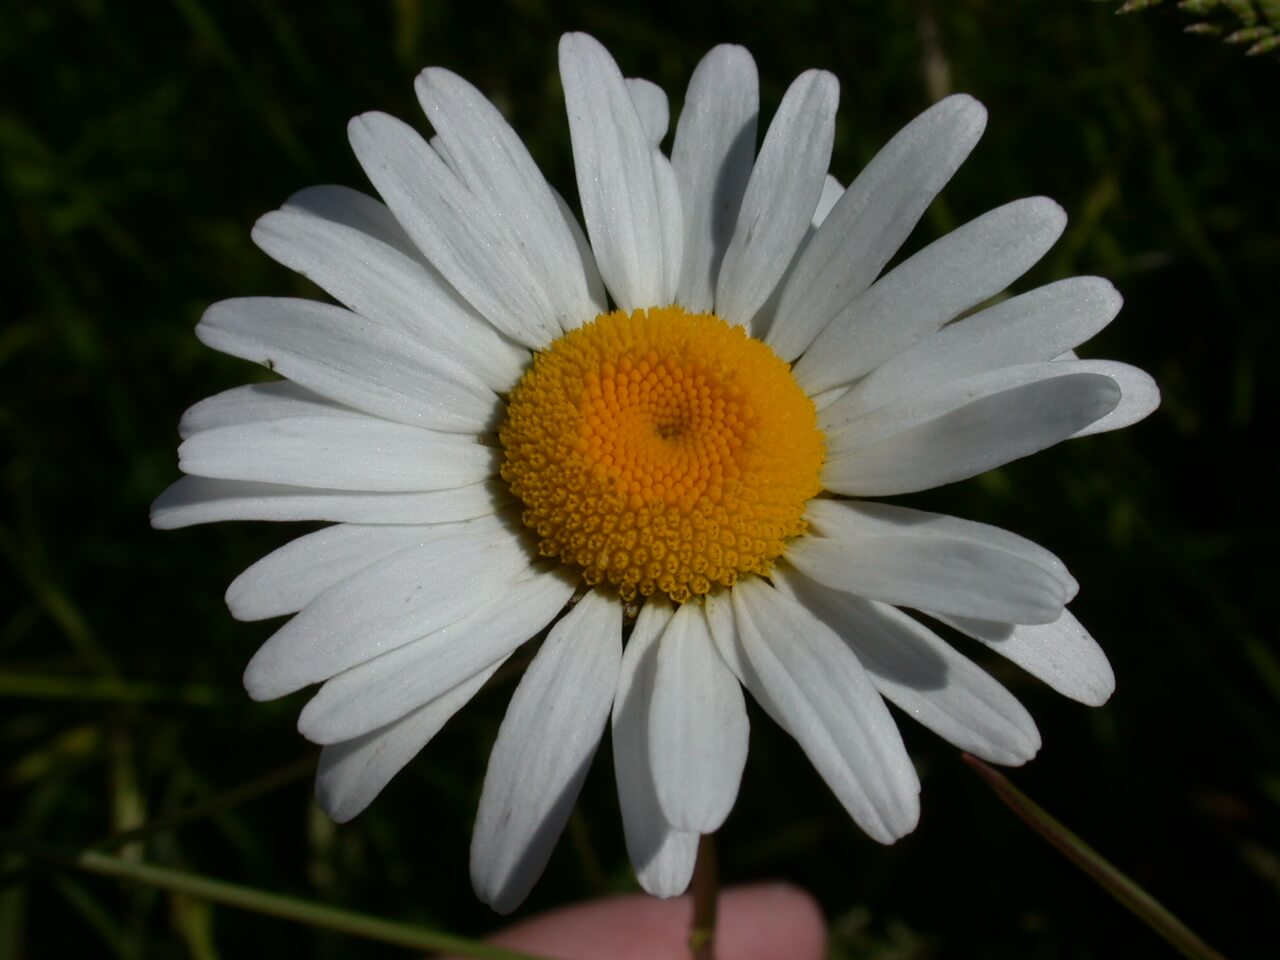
(258, 682)
(577, 43)
(239, 602)
(969, 109)
(1048, 212)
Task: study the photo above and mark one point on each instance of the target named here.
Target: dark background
(138, 143)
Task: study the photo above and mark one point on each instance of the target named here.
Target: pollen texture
(661, 451)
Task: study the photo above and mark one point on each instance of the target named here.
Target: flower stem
(706, 890)
(1144, 906)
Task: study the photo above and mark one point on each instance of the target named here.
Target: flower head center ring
(662, 451)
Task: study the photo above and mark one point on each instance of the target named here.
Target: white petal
(960, 429)
(587, 259)
(351, 774)
(1061, 654)
(356, 210)
(717, 609)
(969, 265)
(1139, 395)
(390, 686)
(873, 218)
(544, 747)
(821, 695)
(442, 150)
(408, 595)
(617, 181)
(459, 235)
(832, 191)
(1034, 327)
(671, 215)
(287, 579)
(712, 155)
(193, 500)
(662, 856)
(842, 518)
(339, 453)
(697, 726)
(354, 361)
(777, 208)
(651, 104)
(922, 674)
(392, 288)
(495, 166)
(255, 403)
(931, 562)
(765, 318)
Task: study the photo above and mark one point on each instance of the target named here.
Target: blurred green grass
(139, 142)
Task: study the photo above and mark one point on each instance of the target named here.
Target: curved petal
(458, 234)
(670, 213)
(651, 105)
(961, 429)
(697, 726)
(256, 403)
(1139, 394)
(389, 286)
(1034, 327)
(762, 325)
(359, 211)
(821, 695)
(544, 747)
(931, 562)
(874, 216)
(954, 274)
(352, 360)
(617, 179)
(339, 453)
(351, 774)
(663, 857)
(712, 155)
(494, 165)
(193, 500)
(781, 196)
(1061, 654)
(832, 191)
(408, 595)
(287, 579)
(595, 285)
(390, 686)
(918, 672)
(717, 610)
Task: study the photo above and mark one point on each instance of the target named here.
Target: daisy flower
(661, 429)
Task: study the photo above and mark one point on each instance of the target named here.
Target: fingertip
(757, 922)
(769, 920)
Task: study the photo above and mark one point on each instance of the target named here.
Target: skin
(757, 922)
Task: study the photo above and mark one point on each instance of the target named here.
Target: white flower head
(679, 410)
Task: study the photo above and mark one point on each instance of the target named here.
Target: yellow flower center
(662, 450)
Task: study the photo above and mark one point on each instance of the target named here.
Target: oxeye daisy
(664, 428)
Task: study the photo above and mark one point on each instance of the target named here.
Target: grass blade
(317, 915)
(1140, 903)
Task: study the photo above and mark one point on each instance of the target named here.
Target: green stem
(260, 901)
(1140, 903)
(706, 891)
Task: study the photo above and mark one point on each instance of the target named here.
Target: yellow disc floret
(661, 450)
